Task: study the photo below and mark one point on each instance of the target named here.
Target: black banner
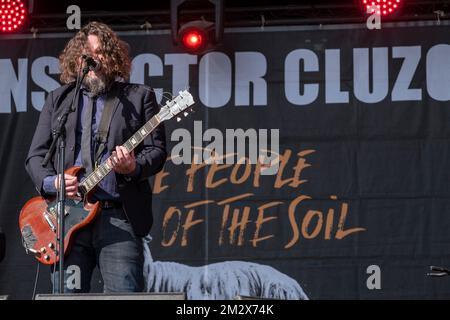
(355, 204)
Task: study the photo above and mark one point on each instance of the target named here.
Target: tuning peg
(178, 119)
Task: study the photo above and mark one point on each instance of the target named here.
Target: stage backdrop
(359, 206)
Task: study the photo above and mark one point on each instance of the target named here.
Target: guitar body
(38, 223)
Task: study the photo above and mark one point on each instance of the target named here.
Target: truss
(256, 13)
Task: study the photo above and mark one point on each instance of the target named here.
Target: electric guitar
(38, 217)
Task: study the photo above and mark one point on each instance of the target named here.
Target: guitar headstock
(177, 105)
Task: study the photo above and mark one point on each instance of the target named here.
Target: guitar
(38, 217)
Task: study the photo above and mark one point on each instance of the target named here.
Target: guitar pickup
(49, 222)
(54, 212)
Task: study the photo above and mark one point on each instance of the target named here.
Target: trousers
(109, 243)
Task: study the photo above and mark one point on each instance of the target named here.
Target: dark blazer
(134, 105)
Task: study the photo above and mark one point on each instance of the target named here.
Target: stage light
(12, 15)
(196, 36)
(383, 7)
(193, 39)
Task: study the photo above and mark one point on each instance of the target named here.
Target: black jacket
(134, 105)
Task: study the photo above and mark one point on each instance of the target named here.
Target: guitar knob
(46, 257)
(51, 245)
(185, 114)
(43, 250)
(178, 119)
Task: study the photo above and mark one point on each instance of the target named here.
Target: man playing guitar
(112, 240)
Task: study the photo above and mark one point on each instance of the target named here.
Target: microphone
(91, 63)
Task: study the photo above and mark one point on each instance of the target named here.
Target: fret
(128, 146)
(143, 131)
(133, 141)
(104, 169)
(154, 122)
(148, 126)
(94, 179)
(138, 136)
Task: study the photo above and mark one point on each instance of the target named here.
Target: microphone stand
(59, 137)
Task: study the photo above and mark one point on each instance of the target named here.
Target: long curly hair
(115, 53)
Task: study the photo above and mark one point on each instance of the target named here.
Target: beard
(97, 84)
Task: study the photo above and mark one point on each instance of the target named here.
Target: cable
(165, 94)
(169, 97)
(36, 278)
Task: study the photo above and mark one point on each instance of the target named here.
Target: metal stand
(59, 137)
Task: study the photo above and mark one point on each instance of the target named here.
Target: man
(112, 241)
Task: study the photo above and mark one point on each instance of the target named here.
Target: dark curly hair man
(112, 241)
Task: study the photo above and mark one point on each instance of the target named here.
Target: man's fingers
(69, 180)
(121, 157)
(71, 183)
(127, 156)
(122, 161)
(132, 157)
(71, 189)
(71, 194)
(119, 154)
(113, 160)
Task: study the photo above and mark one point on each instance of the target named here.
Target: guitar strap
(101, 137)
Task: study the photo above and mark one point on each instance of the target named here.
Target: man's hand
(122, 161)
(71, 185)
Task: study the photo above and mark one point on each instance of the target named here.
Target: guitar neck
(104, 169)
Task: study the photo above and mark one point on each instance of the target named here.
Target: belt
(109, 204)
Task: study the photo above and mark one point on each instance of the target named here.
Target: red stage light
(384, 7)
(196, 37)
(12, 15)
(193, 39)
